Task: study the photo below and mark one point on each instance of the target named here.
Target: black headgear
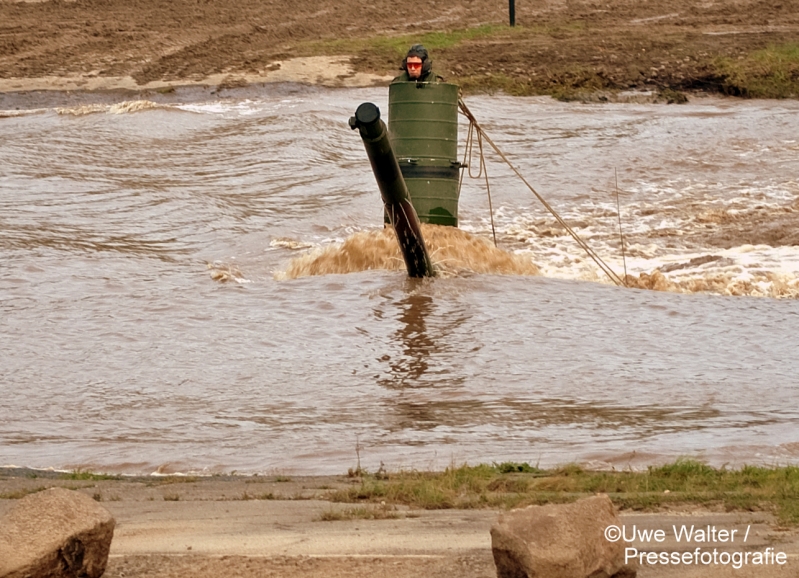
(421, 52)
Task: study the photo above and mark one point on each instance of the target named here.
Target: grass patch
(440, 40)
(83, 475)
(382, 512)
(247, 496)
(172, 480)
(19, 494)
(99, 497)
(769, 73)
(511, 485)
(517, 468)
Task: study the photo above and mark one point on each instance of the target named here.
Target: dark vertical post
(512, 11)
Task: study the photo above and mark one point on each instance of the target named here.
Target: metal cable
(467, 158)
(591, 253)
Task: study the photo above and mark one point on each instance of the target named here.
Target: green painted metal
(423, 128)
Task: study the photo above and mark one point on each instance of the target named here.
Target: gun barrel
(393, 190)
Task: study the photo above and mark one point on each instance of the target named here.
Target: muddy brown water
(159, 311)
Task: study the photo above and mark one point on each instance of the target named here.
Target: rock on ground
(53, 534)
(559, 541)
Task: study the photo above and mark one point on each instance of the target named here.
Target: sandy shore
(276, 526)
(327, 71)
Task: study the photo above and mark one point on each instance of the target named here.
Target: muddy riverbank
(567, 49)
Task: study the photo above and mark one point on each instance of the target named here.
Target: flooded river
(158, 310)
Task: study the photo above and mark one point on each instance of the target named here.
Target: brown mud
(556, 47)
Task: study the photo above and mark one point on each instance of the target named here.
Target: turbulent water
(204, 284)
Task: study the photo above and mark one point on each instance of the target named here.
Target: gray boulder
(55, 533)
(559, 541)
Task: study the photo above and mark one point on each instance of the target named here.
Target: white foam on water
(134, 106)
(125, 107)
(693, 237)
(293, 244)
(247, 107)
(224, 272)
(17, 113)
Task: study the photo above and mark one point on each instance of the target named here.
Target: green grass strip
(751, 488)
(769, 73)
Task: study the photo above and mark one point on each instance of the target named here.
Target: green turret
(423, 128)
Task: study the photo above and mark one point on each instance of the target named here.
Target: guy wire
(591, 253)
(621, 233)
(467, 157)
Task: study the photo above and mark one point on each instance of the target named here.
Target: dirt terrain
(280, 526)
(557, 45)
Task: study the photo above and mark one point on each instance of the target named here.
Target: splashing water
(453, 252)
(125, 107)
(756, 284)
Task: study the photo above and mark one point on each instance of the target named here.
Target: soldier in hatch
(417, 66)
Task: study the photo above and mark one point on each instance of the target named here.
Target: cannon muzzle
(393, 190)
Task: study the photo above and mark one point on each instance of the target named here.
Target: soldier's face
(414, 65)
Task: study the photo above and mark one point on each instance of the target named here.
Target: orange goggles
(413, 64)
